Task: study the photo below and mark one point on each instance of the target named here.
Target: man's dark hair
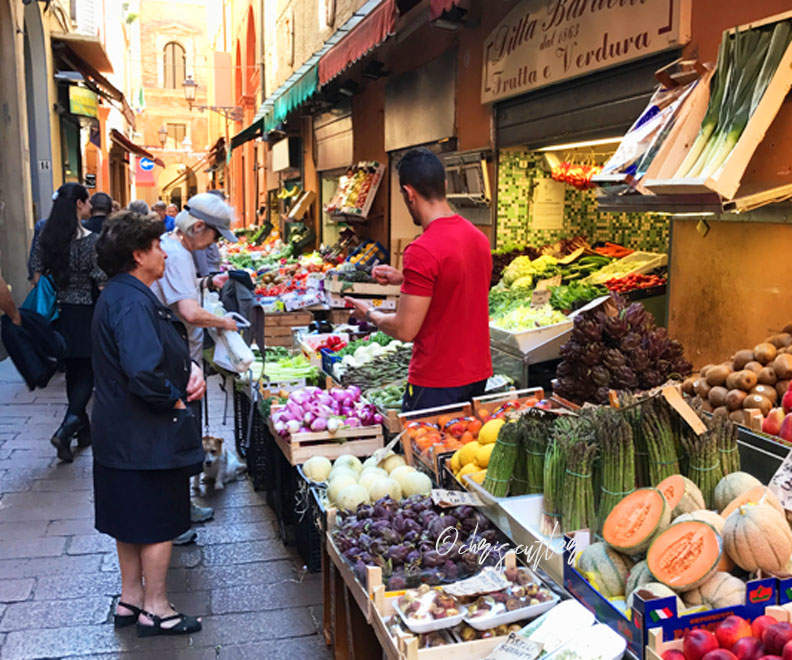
(122, 234)
(101, 203)
(422, 170)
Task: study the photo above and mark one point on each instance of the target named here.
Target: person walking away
(204, 219)
(101, 207)
(146, 442)
(443, 307)
(160, 208)
(139, 206)
(66, 251)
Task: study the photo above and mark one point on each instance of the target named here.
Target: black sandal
(124, 620)
(185, 626)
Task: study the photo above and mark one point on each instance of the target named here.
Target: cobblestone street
(59, 578)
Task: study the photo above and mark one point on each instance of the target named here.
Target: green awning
(291, 95)
(251, 132)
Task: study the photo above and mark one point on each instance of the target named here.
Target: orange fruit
(467, 436)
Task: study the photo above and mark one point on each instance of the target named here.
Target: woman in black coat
(146, 442)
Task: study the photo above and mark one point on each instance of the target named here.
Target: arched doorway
(177, 183)
(16, 217)
(38, 112)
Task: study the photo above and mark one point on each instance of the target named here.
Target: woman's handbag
(43, 299)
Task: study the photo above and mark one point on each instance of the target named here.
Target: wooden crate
(334, 285)
(288, 319)
(279, 341)
(299, 447)
(726, 182)
(386, 303)
(656, 646)
(491, 402)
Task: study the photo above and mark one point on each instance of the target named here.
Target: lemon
(489, 432)
(470, 468)
(479, 476)
(468, 452)
(456, 464)
(483, 455)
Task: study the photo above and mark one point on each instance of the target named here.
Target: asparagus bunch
(537, 432)
(660, 439)
(704, 468)
(726, 432)
(617, 460)
(631, 409)
(577, 507)
(503, 459)
(554, 476)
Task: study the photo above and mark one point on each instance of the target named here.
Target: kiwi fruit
(741, 358)
(754, 366)
(717, 396)
(737, 416)
(735, 398)
(782, 366)
(702, 388)
(781, 387)
(765, 353)
(767, 391)
(757, 402)
(717, 375)
(722, 411)
(767, 376)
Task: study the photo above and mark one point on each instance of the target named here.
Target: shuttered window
(175, 61)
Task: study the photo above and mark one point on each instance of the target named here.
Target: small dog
(220, 466)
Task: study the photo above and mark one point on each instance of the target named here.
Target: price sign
(540, 297)
(449, 498)
(488, 581)
(781, 483)
(674, 398)
(543, 285)
(516, 647)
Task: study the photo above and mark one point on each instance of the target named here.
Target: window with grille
(177, 133)
(175, 65)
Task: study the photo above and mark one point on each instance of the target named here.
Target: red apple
(774, 637)
(785, 433)
(786, 401)
(697, 643)
(719, 654)
(786, 654)
(760, 623)
(730, 630)
(748, 648)
(771, 657)
(673, 654)
(772, 423)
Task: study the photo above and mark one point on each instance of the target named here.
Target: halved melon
(731, 486)
(682, 495)
(717, 521)
(635, 521)
(758, 495)
(686, 555)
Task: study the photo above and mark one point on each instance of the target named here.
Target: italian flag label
(659, 615)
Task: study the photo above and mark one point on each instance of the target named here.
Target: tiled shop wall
(581, 213)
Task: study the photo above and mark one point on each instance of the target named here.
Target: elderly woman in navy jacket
(146, 443)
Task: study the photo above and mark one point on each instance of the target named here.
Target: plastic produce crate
(328, 360)
(260, 454)
(241, 410)
(369, 253)
(308, 534)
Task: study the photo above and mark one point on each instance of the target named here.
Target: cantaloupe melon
(635, 521)
(759, 495)
(638, 575)
(758, 537)
(721, 590)
(682, 495)
(731, 486)
(606, 568)
(717, 521)
(652, 590)
(686, 555)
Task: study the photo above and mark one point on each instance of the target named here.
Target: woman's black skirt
(142, 506)
(74, 324)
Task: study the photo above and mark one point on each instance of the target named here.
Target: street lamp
(163, 135)
(190, 87)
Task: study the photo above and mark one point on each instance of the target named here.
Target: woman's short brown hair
(123, 234)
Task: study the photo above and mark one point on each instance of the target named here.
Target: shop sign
(83, 102)
(542, 42)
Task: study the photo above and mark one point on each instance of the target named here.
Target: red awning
(367, 34)
(127, 145)
(437, 7)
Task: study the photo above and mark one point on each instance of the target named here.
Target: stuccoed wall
(581, 213)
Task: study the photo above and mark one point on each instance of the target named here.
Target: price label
(516, 647)
(675, 400)
(781, 483)
(543, 285)
(449, 498)
(488, 581)
(540, 297)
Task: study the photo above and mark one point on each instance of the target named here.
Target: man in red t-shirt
(444, 288)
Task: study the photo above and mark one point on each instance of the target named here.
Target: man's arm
(7, 304)
(191, 312)
(404, 324)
